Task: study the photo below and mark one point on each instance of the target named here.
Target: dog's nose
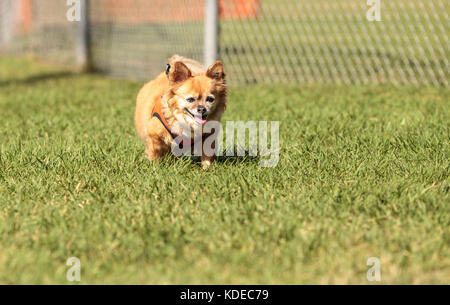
(201, 109)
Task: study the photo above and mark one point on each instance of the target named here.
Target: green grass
(363, 172)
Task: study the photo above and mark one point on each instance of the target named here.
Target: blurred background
(260, 41)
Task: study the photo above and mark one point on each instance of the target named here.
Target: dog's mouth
(199, 119)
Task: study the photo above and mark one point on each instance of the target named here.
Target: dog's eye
(190, 99)
(210, 99)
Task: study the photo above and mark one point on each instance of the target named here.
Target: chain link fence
(260, 41)
(37, 28)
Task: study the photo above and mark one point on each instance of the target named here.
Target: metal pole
(83, 37)
(8, 19)
(211, 48)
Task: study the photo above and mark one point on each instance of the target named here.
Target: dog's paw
(206, 164)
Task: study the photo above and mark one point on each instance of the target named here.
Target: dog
(179, 102)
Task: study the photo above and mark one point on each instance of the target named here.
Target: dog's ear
(179, 72)
(216, 71)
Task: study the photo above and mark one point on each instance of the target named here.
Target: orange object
(239, 9)
(154, 11)
(159, 11)
(25, 15)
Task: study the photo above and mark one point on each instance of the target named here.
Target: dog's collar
(158, 113)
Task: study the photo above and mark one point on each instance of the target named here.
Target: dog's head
(194, 99)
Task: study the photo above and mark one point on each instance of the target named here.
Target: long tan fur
(187, 79)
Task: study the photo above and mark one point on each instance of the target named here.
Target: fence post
(83, 38)
(211, 48)
(8, 20)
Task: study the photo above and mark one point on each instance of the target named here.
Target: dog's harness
(157, 112)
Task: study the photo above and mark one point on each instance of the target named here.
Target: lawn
(363, 172)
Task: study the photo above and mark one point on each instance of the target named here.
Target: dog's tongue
(200, 120)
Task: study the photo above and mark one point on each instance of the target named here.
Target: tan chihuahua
(179, 102)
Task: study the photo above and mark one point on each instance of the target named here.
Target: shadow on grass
(238, 159)
(36, 79)
(224, 159)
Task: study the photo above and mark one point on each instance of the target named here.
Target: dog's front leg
(155, 148)
(208, 150)
(207, 161)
